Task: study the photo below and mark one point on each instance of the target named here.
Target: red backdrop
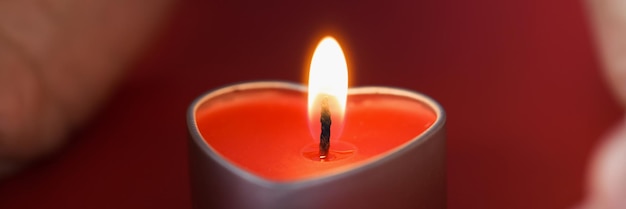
(519, 79)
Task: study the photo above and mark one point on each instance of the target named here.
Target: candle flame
(328, 80)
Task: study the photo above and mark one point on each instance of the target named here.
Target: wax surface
(265, 131)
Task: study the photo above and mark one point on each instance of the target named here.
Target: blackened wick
(325, 135)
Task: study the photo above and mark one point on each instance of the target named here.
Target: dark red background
(520, 82)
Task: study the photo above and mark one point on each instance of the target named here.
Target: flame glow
(328, 78)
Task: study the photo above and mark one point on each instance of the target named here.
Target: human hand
(607, 182)
(58, 62)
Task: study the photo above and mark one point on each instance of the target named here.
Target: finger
(59, 61)
(608, 18)
(607, 182)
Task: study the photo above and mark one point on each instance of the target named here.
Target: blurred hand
(607, 183)
(59, 59)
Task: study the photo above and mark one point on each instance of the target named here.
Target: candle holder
(412, 175)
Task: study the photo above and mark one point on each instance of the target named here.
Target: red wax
(265, 131)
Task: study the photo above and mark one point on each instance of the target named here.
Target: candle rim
(374, 161)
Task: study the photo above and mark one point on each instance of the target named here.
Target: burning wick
(325, 135)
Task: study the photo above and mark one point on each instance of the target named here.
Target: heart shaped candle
(261, 145)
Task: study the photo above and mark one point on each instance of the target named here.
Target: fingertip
(608, 21)
(607, 178)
